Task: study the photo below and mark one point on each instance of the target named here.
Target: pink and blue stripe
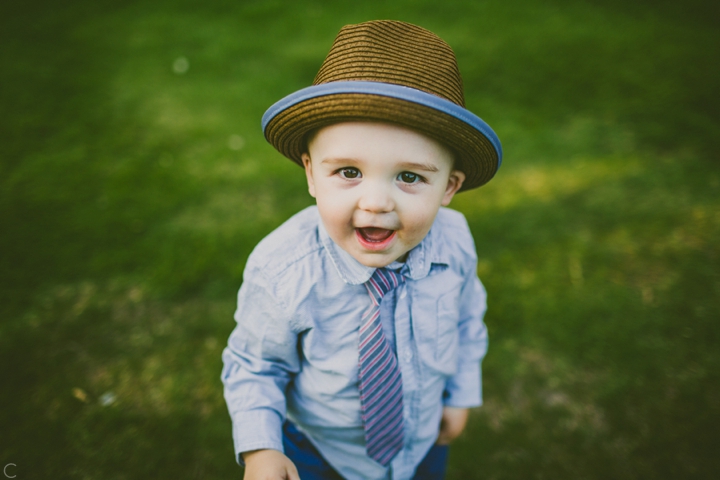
(381, 393)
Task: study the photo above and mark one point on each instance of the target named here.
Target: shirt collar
(418, 264)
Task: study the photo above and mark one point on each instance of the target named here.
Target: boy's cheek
(337, 224)
(416, 223)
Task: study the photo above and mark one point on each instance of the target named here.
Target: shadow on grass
(101, 383)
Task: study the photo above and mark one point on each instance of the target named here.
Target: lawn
(135, 181)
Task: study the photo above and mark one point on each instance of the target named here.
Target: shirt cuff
(464, 389)
(256, 430)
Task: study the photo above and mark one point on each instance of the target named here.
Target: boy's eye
(409, 177)
(349, 172)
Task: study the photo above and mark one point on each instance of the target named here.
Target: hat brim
(476, 146)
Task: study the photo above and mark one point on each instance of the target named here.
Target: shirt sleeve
(464, 389)
(259, 361)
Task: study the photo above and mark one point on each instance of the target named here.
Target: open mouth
(374, 238)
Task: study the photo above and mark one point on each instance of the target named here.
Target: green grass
(127, 218)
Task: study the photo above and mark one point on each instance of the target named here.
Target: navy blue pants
(312, 466)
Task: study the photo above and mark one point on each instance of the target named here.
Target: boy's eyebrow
(427, 167)
(340, 160)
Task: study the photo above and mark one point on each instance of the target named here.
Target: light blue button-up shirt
(294, 351)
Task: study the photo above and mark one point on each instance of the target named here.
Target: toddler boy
(359, 323)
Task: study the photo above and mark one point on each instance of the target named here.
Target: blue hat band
(388, 90)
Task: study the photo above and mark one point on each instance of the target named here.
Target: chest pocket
(435, 324)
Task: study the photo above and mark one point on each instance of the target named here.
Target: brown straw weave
(397, 53)
(394, 52)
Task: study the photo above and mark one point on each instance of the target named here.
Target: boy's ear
(454, 183)
(307, 163)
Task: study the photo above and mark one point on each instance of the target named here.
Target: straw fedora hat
(389, 71)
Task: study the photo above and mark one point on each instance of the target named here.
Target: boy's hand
(269, 465)
(452, 424)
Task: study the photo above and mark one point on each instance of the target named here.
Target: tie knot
(381, 282)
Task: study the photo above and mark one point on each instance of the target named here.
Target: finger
(292, 473)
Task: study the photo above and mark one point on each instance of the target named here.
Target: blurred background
(135, 181)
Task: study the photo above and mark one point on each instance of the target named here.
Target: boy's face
(378, 187)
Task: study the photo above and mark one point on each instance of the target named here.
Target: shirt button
(408, 355)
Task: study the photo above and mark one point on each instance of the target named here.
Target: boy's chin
(378, 260)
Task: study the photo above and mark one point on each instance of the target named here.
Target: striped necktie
(381, 392)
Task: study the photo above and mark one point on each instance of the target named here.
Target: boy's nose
(376, 198)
